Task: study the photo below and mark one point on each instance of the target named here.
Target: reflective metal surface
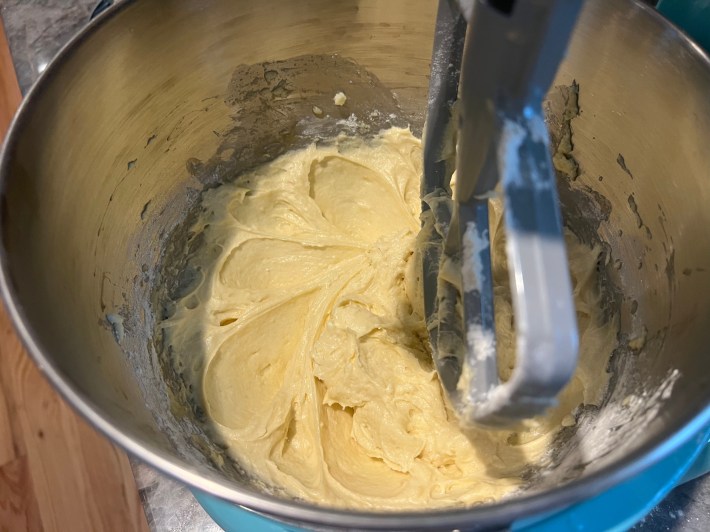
(95, 175)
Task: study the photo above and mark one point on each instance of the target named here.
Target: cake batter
(307, 341)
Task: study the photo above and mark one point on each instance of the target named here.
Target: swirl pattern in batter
(308, 341)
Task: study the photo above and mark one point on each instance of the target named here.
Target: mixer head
(493, 63)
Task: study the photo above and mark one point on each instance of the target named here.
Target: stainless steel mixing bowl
(137, 115)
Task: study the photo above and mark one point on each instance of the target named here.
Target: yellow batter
(317, 376)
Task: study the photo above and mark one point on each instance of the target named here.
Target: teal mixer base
(693, 16)
(622, 506)
(616, 509)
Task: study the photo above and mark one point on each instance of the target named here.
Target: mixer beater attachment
(493, 63)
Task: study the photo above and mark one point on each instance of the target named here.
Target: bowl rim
(505, 511)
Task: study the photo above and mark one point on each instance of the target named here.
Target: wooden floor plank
(79, 480)
(10, 95)
(7, 441)
(18, 507)
(11, 420)
(56, 472)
